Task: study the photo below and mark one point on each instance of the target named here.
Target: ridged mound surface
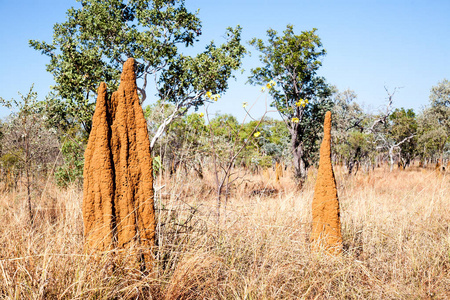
(118, 209)
(326, 226)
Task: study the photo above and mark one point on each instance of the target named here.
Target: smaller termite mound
(278, 171)
(118, 209)
(438, 165)
(326, 223)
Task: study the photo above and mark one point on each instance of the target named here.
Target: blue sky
(370, 45)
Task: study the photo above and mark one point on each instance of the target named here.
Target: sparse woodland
(232, 197)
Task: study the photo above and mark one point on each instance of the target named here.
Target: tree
(403, 125)
(299, 94)
(350, 142)
(440, 108)
(27, 141)
(184, 143)
(224, 158)
(432, 137)
(273, 143)
(96, 39)
(434, 122)
(381, 129)
(440, 103)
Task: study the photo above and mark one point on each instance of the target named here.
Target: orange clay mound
(278, 171)
(118, 207)
(438, 165)
(326, 226)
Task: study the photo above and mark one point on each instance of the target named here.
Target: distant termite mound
(278, 171)
(118, 210)
(326, 224)
(438, 165)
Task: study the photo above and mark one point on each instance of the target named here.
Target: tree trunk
(30, 211)
(300, 164)
(354, 161)
(27, 174)
(391, 159)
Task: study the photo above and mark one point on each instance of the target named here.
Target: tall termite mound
(326, 224)
(118, 209)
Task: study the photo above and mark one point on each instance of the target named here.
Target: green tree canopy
(290, 64)
(350, 143)
(434, 123)
(440, 104)
(97, 38)
(403, 126)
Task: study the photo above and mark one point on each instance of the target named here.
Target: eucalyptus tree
(351, 143)
(403, 126)
(440, 103)
(99, 35)
(392, 128)
(434, 123)
(290, 64)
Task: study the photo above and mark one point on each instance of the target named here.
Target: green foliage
(24, 108)
(157, 166)
(270, 145)
(403, 125)
(189, 129)
(25, 135)
(351, 144)
(346, 117)
(11, 166)
(440, 103)
(226, 125)
(359, 147)
(300, 96)
(71, 171)
(259, 160)
(187, 79)
(225, 134)
(434, 123)
(188, 139)
(274, 140)
(94, 41)
(10, 160)
(292, 61)
(27, 145)
(184, 142)
(433, 138)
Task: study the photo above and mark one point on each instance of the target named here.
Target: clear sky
(370, 44)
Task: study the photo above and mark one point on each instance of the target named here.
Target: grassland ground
(395, 229)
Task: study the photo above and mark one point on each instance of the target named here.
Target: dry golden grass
(395, 228)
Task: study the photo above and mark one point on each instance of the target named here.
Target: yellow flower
(295, 120)
(256, 134)
(244, 105)
(215, 97)
(263, 89)
(208, 94)
(301, 102)
(201, 115)
(270, 84)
